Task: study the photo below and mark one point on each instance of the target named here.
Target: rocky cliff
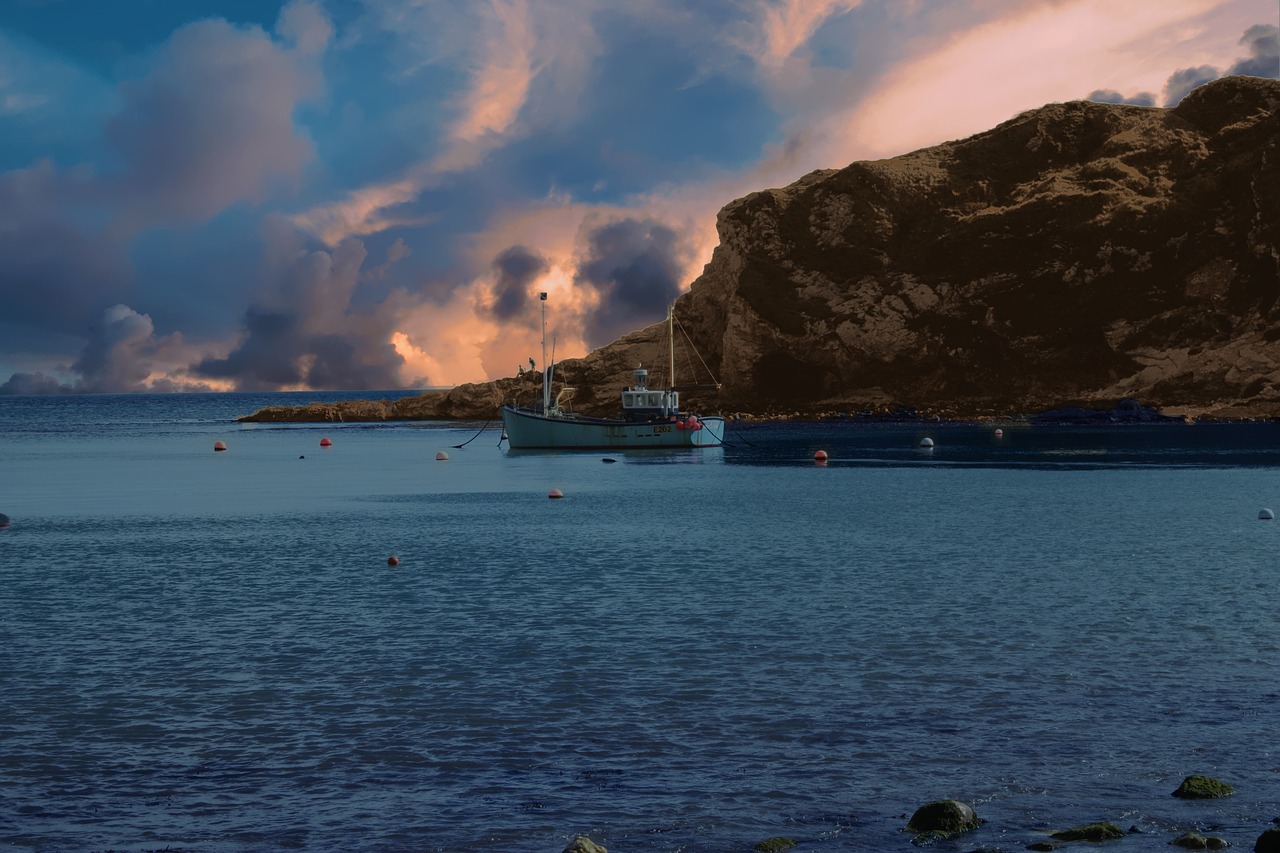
(1076, 254)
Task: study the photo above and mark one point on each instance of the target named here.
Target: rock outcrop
(1075, 255)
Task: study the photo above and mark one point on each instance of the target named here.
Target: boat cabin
(640, 403)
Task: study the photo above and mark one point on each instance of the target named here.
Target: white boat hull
(530, 430)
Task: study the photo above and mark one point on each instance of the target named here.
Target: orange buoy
(555, 493)
(821, 456)
(219, 445)
(393, 560)
(441, 456)
(325, 442)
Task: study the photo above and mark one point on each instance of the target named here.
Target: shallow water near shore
(692, 651)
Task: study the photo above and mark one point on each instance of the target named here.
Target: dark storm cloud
(123, 352)
(54, 276)
(634, 265)
(267, 359)
(1111, 96)
(517, 267)
(304, 331)
(1263, 44)
(1184, 80)
(32, 383)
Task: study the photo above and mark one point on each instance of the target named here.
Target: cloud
(634, 266)
(123, 354)
(517, 267)
(974, 78)
(54, 274)
(1184, 80)
(1111, 96)
(525, 65)
(32, 383)
(211, 123)
(304, 332)
(786, 26)
(305, 25)
(1263, 42)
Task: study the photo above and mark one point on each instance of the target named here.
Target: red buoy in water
(820, 456)
(441, 456)
(219, 445)
(555, 493)
(393, 560)
(325, 442)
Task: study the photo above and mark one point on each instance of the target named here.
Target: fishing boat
(649, 418)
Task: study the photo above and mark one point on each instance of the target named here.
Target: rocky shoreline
(478, 403)
(945, 820)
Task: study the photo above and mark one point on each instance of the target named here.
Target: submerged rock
(948, 817)
(775, 845)
(1196, 841)
(582, 844)
(1203, 788)
(1090, 832)
(1268, 841)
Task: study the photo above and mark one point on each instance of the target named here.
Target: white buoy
(999, 433)
(441, 456)
(926, 442)
(1265, 514)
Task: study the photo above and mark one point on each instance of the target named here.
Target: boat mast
(671, 341)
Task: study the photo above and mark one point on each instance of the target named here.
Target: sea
(690, 651)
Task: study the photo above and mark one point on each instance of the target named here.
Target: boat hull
(529, 430)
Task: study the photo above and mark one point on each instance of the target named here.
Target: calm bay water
(692, 651)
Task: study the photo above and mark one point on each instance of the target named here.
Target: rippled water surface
(692, 651)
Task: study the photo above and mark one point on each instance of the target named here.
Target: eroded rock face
(1079, 252)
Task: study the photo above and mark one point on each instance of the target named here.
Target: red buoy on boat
(325, 442)
(219, 445)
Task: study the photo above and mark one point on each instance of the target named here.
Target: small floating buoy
(302, 457)
(926, 442)
(820, 456)
(555, 493)
(1266, 515)
(219, 445)
(325, 442)
(4, 520)
(441, 456)
(393, 560)
(999, 433)
(607, 459)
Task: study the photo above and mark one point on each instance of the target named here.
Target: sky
(253, 195)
